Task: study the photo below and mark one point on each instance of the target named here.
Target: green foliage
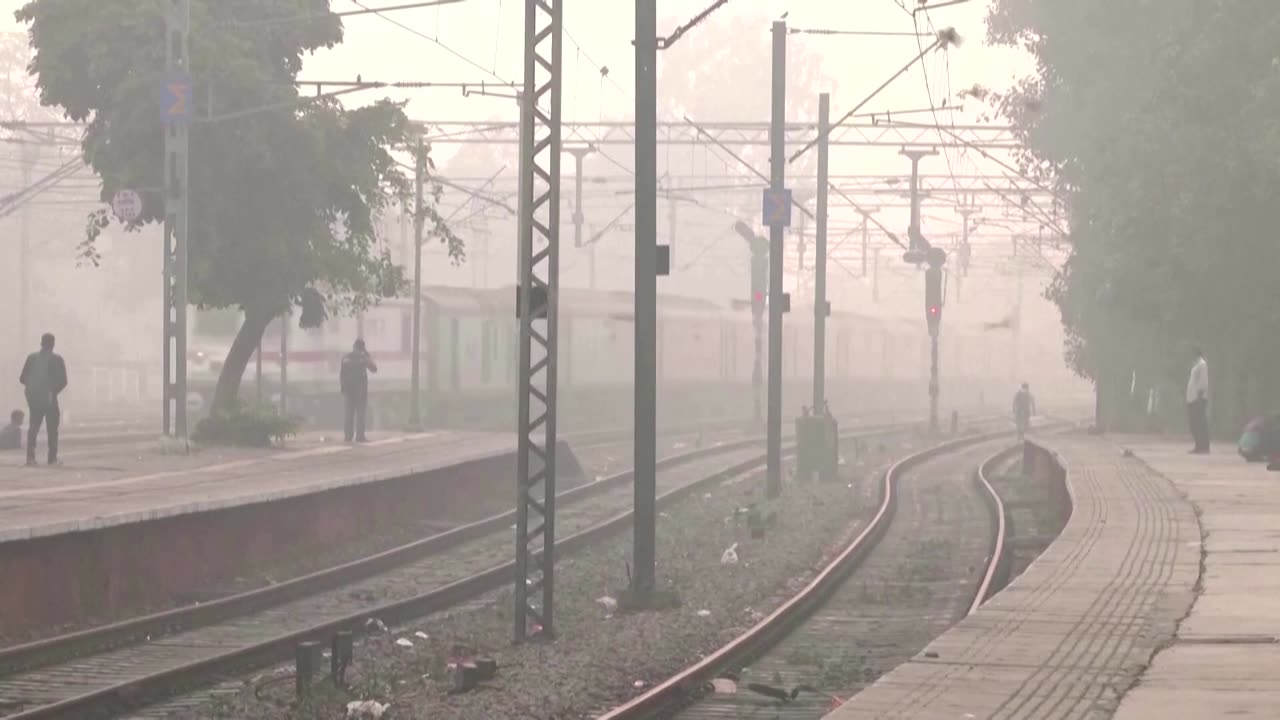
(245, 426)
(285, 190)
(1158, 122)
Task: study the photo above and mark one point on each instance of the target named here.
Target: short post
(340, 653)
(304, 657)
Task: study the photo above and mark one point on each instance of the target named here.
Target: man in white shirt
(1198, 403)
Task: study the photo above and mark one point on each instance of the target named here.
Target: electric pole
(917, 241)
(28, 158)
(578, 153)
(921, 251)
(866, 213)
(177, 98)
(780, 204)
(875, 276)
(537, 307)
(284, 362)
(1016, 350)
(820, 307)
(644, 577)
(415, 371)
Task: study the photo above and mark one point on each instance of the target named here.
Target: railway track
(109, 670)
(934, 551)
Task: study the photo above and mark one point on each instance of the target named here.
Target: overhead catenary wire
(442, 46)
(341, 14)
(944, 37)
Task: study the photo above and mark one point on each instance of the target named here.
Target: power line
(859, 33)
(344, 13)
(428, 38)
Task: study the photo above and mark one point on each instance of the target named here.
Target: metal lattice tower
(539, 265)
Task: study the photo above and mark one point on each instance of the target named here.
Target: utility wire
(928, 91)
(668, 41)
(428, 38)
(329, 15)
(945, 37)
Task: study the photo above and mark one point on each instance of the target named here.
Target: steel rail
(767, 632)
(138, 692)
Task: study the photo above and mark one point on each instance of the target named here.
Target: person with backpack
(354, 381)
(1024, 406)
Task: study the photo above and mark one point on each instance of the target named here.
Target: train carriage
(469, 350)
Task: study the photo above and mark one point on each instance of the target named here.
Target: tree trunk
(227, 394)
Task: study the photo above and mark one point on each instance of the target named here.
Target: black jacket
(55, 381)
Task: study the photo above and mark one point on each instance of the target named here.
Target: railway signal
(933, 299)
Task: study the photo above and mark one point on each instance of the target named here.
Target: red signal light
(934, 309)
(759, 296)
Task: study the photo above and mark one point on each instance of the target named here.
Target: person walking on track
(1198, 403)
(44, 375)
(354, 379)
(1024, 406)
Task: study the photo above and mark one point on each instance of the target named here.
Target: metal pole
(866, 237)
(1017, 318)
(415, 372)
(24, 252)
(591, 262)
(539, 280)
(673, 221)
(579, 153)
(875, 277)
(257, 372)
(778, 164)
(913, 231)
(643, 579)
(177, 197)
(820, 259)
(284, 362)
(933, 384)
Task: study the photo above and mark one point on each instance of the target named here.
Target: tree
(285, 190)
(1157, 121)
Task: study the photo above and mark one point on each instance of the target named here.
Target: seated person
(1261, 439)
(11, 434)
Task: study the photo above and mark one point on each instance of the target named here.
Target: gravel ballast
(600, 657)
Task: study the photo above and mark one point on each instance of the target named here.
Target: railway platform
(1074, 636)
(129, 527)
(100, 487)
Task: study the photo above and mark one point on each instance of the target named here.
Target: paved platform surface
(103, 486)
(1225, 660)
(1071, 634)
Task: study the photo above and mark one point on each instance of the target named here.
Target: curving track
(932, 554)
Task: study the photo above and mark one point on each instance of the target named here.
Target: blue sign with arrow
(176, 99)
(777, 207)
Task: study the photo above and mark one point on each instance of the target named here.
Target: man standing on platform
(354, 380)
(44, 375)
(1198, 403)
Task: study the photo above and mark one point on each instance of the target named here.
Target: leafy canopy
(1157, 121)
(284, 190)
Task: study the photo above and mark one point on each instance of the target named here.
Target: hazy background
(111, 315)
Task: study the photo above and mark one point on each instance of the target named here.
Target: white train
(705, 360)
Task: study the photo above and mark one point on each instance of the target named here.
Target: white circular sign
(127, 205)
(195, 402)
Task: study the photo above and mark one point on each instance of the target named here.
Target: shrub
(245, 426)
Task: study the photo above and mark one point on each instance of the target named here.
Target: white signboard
(127, 205)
